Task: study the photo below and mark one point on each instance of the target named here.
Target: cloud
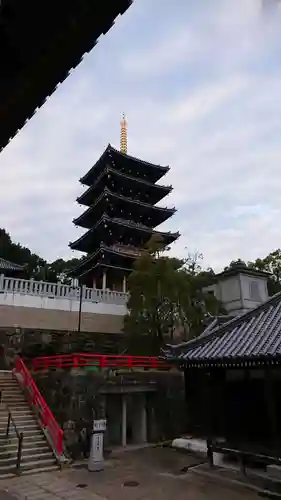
(200, 83)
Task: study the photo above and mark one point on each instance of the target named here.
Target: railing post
(60, 443)
(154, 362)
(8, 425)
(102, 362)
(2, 282)
(75, 361)
(19, 452)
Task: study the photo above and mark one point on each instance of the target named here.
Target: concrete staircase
(37, 455)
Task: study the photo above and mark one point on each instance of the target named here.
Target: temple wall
(61, 314)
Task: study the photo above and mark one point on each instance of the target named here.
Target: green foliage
(36, 267)
(270, 264)
(166, 300)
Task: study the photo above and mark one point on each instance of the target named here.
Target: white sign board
(99, 425)
(96, 462)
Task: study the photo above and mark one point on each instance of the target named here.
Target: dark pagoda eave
(170, 211)
(124, 223)
(124, 176)
(110, 149)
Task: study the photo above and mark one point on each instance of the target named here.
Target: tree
(235, 264)
(166, 300)
(36, 267)
(270, 264)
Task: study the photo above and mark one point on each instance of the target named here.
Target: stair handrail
(19, 435)
(37, 401)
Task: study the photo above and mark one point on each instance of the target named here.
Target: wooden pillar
(94, 283)
(271, 409)
(208, 415)
(104, 280)
(124, 287)
(124, 420)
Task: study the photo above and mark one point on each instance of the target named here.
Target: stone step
(40, 448)
(30, 465)
(27, 458)
(11, 389)
(39, 470)
(23, 411)
(27, 433)
(13, 397)
(12, 444)
(19, 423)
(17, 418)
(14, 402)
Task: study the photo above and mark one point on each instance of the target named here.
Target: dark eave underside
(168, 236)
(124, 177)
(39, 44)
(157, 171)
(167, 212)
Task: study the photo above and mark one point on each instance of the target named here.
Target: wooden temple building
(11, 270)
(233, 384)
(120, 217)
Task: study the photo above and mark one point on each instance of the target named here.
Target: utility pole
(80, 306)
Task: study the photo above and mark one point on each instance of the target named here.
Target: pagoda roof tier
(126, 185)
(112, 230)
(112, 203)
(38, 51)
(118, 256)
(124, 163)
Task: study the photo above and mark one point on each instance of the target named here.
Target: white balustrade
(58, 290)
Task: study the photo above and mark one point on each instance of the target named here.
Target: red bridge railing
(39, 404)
(97, 360)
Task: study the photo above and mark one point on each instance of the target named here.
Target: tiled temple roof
(252, 336)
(9, 266)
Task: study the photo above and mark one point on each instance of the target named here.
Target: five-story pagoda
(121, 217)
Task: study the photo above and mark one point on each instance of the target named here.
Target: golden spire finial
(123, 135)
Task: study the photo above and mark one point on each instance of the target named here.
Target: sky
(199, 81)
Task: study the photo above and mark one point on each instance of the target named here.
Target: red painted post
(103, 362)
(154, 362)
(75, 361)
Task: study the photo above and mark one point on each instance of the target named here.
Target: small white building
(240, 289)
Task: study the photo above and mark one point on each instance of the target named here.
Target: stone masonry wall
(77, 396)
(29, 343)
(31, 317)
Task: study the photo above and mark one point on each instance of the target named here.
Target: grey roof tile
(256, 334)
(9, 266)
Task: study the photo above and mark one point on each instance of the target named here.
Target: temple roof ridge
(111, 150)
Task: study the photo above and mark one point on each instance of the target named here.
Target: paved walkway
(148, 474)
(44, 486)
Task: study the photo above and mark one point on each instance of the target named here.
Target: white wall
(236, 292)
(60, 304)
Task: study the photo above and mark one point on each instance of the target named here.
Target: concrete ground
(148, 474)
